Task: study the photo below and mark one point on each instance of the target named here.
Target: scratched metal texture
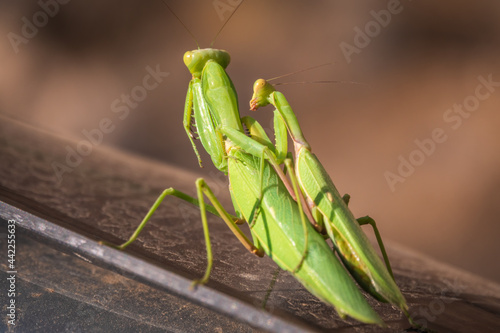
(106, 195)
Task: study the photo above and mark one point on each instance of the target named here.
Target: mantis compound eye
(259, 84)
(188, 58)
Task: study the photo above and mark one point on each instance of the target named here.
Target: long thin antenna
(178, 19)
(220, 30)
(301, 82)
(300, 71)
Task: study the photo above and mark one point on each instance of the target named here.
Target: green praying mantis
(289, 217)
(330, 210)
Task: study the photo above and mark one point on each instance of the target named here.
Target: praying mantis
(259, 194)
(286, 215)
(330, 210)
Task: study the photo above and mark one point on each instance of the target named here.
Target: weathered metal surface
(105, 194)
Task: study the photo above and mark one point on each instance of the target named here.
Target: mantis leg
(281, 137)
(368, 220)
(188, 118)
(279, 155)
(203, 188)
(257, 149)
(346, 198)
(257, 133)
(216, 209)
(289, 166)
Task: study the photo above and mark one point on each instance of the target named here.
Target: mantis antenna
(229, 18)
(299, 71)
(178, 19)
(302, 82)
(308, 69)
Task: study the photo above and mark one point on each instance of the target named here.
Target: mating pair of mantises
(290, 217)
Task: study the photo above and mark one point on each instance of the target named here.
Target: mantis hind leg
(204, 189)
(368, 220)
(170, 191)
(217, 209)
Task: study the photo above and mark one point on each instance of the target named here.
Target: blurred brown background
(65, 78)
